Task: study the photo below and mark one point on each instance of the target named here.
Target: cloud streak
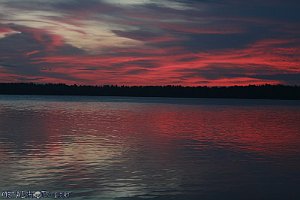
(147, 42)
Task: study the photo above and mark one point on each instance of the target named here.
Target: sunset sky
(149, 42)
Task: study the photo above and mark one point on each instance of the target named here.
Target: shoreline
(276, 92)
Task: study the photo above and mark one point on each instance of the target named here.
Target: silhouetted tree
(248, 92)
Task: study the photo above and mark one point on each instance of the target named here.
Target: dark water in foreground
(137, 148)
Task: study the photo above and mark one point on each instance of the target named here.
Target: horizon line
(168, 85)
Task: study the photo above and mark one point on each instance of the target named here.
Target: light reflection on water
(110, 148)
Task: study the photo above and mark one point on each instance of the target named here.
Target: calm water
(138, 148)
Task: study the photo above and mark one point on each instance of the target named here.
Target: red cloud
(160, 66)
(5, 30)
(168, 68)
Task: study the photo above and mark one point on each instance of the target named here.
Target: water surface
(158, 148)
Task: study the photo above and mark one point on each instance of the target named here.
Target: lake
(150, 148)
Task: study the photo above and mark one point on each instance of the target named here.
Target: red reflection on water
(253, 129)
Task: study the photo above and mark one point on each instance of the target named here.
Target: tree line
(246, 92)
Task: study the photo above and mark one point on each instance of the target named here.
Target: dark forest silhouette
(247, 92)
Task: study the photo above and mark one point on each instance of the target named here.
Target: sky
(150, 42)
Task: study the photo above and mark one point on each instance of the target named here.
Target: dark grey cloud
(143, 35)
(137, 71)
(19, 51)
(267, 10)
(219, 71)
(249, 22)
(287, 78)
